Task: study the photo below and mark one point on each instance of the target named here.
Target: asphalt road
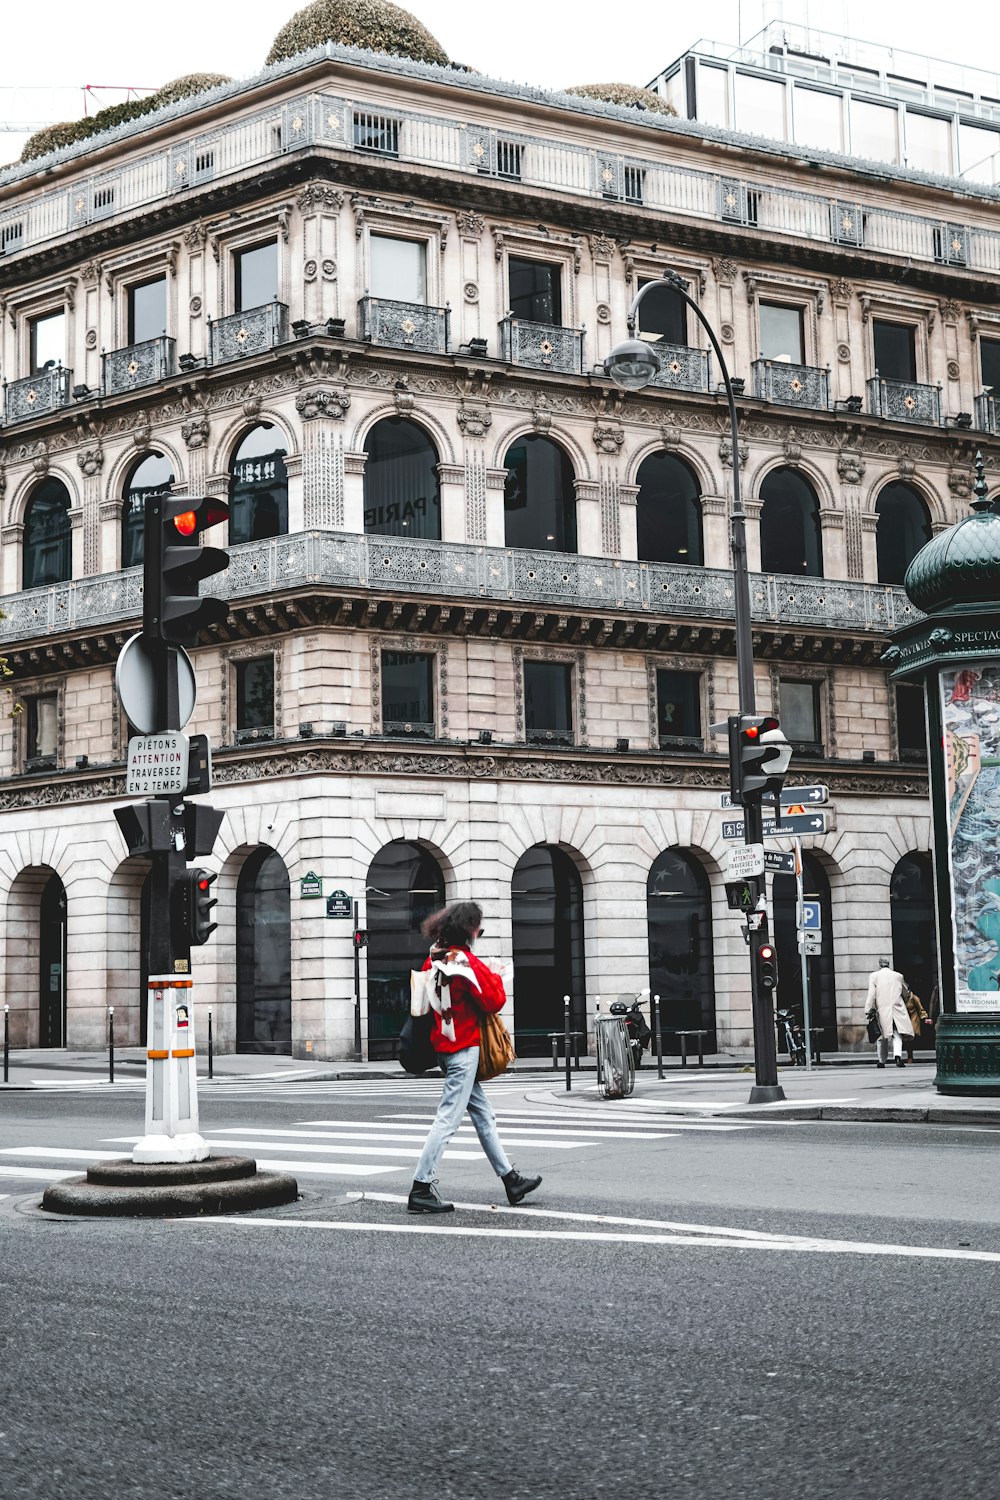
(343, 1347)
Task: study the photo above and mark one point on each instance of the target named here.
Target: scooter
(636, 1026)
(790, 1031)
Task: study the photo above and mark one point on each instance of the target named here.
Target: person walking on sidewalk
(887, 992)
(918, 1019)
(463, 986)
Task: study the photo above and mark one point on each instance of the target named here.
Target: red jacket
(466, 1004)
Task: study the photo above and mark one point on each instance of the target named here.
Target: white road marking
(464, 1135)
(234, 1143)
(38, 1174)
(56, 1153)
(566, 1118)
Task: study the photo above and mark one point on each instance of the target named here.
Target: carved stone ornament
(251, 406)
(310, 270)
(601, 248)
(608, 438)
(851, 465)
(791, 447)
(670, 435)
(844, 353)
(329, 268)
(405, 403)
(40, 459)
(471, 225)
(907, 467)
(728, 333)
(195, 236)
(142, 436)
(322, 403)
(725, 270)
(841, 289)
(960, 483)
(470, 292)
(91, 338)
(315, 195)
(90, 274)
(954, 369)
(726, 453)
(195, 433)
(541, 420)
(475, 421)
(950, 311)
(603, 313)
(194, 307)
(91, 460)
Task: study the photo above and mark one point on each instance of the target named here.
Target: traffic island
(168, 1190)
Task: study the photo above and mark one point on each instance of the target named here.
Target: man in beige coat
(887, 993)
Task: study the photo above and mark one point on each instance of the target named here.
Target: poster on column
(970, 712)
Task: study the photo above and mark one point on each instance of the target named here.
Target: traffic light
(174, 562)
(758, 755)
(193, 902)
(767, 967)
(360, 938)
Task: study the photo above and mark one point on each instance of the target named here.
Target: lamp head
(632, 365)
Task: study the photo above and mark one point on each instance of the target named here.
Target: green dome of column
(961, 565)
(375, 25)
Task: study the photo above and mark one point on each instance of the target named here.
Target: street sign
(310, 887)
(821, 822)
(779, 864)
(740, 896)
(811, 919)
(135, 679)
(810, 943)
(339, 904)
(157, 765)
(744, 861)
(809, 796)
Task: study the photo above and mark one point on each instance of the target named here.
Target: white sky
(49, 54)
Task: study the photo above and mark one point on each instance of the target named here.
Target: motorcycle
(792, 1035)
(636, 1026)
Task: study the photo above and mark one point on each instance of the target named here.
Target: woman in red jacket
(464, 987)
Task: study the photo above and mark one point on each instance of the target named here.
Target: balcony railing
(253, 331)
(541, 346)
(412, 729)
(508, 576)
(138, 365)
(36, 395)
(986, 413)
(404, 325)
(791, 385)
(681, 368)
(904, 401)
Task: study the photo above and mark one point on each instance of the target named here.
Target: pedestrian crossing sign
(740, 895)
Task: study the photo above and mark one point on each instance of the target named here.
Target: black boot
(425, 1199)
(518, 1187)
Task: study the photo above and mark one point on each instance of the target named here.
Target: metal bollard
(569, 1078)
(111, 1044)
(659, 1037)
(6, 1043)
(210, 1055)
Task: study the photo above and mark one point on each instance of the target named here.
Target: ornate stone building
(481, 606)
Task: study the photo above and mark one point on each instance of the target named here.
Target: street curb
(849, 1113)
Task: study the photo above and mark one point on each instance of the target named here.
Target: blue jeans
(461, 1093)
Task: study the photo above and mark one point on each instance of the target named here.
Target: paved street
(697, 1306)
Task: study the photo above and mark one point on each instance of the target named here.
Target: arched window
(911, 909)
(263, 955)
(668, 512)
(681, 965)
(822, 990)
(402, 489)
(258, 486)
(903, 528)
(539, 498)
(152, 475)
(48, 547)
(405, 885)
(789, 526)
(546, 896)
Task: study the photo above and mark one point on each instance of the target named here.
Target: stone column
(196, 432)
(470, 228)
(753, 509)
(608, 439)
(323, 483)
(12, 538)
(832, 532)
(628, 495)
(857, 563)
(197, 289)
(320, 207)
(715, 532)
(91, 462)
(475, 419)
(451, 478)
(354, 492)
(589, 517)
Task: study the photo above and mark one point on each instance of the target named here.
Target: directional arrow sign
(808, 796)
(780, 864)
(819, 822)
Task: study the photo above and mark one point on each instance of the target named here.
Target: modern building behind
(481, 600)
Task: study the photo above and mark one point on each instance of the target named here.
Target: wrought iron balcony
(413, 730)
(138, 365)
(986, 413)
(791, 385)
(404, 325)
(463, 572)
(904, 401)
(681, 368)
(541, 346)
(252, 331)
(36, 395)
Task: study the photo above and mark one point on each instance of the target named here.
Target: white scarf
(434, 990)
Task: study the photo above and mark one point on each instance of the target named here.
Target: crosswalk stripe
(544, 1130)
(465, 1133)
(337, 1149)
(614, 1130)
(55, 1153)
(37, 1174)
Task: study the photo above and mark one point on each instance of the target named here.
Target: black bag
(416, 1055)
(874, 1027)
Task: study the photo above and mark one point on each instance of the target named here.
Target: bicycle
(792, 1035)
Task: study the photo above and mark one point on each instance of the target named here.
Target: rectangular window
(408, 693)
(255, 696)
(548, 702)
(662, 315)
(781, 333)
(910, 725)
(376, 133)
(47, 338)
(41, 729)
(874, 131)
(678, 707)
(535, 291)
(399, 269)
(928, 143)
(147, 310)
(818, 118)
(256, 275)
(989, 357)
(895, 347)
(509, 159)
(11, 236)
(979, 153)
(713, 94)
(800, 715)
(635, 181)
(760, 106)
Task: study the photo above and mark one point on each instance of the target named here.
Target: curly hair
(453, 926)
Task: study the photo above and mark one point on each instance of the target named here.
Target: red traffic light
(186, 523)
(751, 732)
(204, 884)
(767, 952)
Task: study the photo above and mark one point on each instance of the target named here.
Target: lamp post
(632, 365)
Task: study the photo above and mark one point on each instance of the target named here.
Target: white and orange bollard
(172, 1133)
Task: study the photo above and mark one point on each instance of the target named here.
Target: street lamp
(632, 365)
